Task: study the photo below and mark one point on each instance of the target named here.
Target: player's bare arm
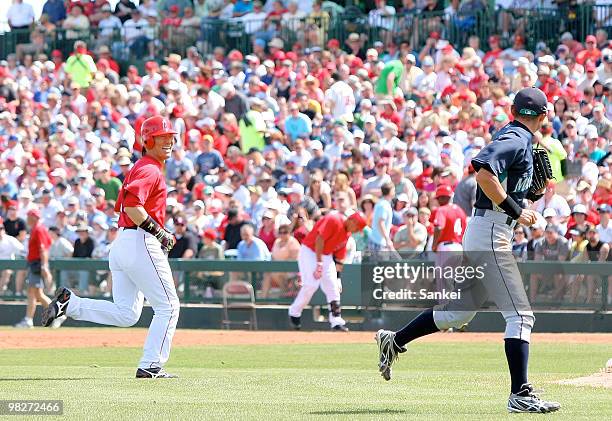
(490, 185)
(319, 245)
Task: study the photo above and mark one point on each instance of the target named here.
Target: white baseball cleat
(388, 352)
(527, 401)
(24, 324)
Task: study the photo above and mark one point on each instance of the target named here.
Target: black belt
(448, 242)
(482, 212)
(131, 228)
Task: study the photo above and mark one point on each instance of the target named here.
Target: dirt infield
(109, 337)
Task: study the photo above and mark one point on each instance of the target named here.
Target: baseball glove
(542, 172)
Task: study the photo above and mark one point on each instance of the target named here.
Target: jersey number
(458, 228)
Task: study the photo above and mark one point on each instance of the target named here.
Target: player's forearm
(436, 238)
(490, 185)
(319, 245)
(44, 257)
(137, 214)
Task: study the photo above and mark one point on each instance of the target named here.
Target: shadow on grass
(360, 412)
(25, 379)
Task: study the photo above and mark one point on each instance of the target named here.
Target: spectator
(55, 10)
(211, 250)
(285, 247)
(10, 247)
(76, 23)
(38, 267)
(210, 159)
(553, 248)
(123, 10)
(595, 251)
(519, 244)
(20, 17)
(80, 66)
(232, 231)
(380, 239)
(411, 236)
(251, 247)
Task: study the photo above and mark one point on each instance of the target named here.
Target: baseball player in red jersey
(449, 225)
(449, 222)
(138, 258)
(320, 250)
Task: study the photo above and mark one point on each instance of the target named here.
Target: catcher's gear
(155, 126)
(542, 172)
(166, 239)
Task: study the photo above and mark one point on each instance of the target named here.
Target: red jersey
(39, 237)
(335, 236)
(144, 185)
(451, 220)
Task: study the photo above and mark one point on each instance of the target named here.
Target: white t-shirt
(9, 247)
(342, 97)
(253, 21)
(20, 14)
(605, 234)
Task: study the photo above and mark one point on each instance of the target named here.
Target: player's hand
(318, 271)
(528, 217)
(45, 274)
(166, 240)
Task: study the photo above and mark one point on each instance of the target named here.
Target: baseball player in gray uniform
(504, 171)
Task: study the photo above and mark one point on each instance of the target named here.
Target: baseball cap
(411, 211)
(443, 190)
(403, 197)
(591, 38)
(549, 212)
(530, 101)
(605, 208)
(198, 204)
(34, 212)
(552, 228)
(210, 233)
(359, 219)
(316, 145)
(579, 208)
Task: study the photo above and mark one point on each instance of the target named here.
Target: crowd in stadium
(270, 141)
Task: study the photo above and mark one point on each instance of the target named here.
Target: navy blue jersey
(509, 156)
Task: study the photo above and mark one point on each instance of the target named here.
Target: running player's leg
(505, 287)
(151, 272)
(330, 284)
(307, 263)
(123, 311)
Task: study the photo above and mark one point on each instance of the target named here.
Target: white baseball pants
(329, 283)
(140, 269)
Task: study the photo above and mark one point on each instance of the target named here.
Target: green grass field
(458, 381)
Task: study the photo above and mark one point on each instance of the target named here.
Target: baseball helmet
(155, 126)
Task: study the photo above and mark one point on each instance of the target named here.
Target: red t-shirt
(335, 236)
(452, 221)
(39, 236)
(237, 166)
(267, 237)
(144, 185)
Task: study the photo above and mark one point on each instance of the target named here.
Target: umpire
(504, 176)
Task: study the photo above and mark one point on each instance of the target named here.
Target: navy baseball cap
(530, 101)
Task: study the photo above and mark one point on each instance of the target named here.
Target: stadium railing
(195, 275)
(542, 24)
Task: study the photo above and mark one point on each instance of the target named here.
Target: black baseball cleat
(296, 322)
(57, 307)
(340, 328)
(154, 373)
